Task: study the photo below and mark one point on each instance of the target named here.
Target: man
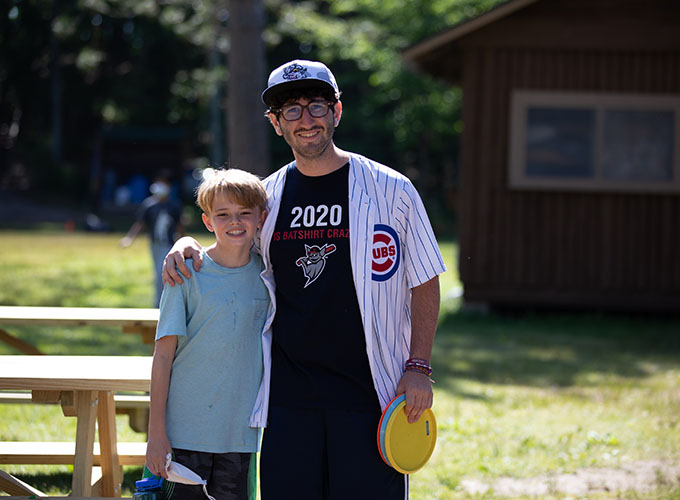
(352, 265)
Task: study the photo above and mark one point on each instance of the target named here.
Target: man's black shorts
(321, 454)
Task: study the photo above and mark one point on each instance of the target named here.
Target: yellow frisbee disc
(406, 447)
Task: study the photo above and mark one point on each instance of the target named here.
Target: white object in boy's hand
(178, 473)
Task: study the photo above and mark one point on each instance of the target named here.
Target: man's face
(308, 137)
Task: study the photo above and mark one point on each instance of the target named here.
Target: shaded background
(96, 96)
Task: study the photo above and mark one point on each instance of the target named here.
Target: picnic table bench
(141, 321)
(135, 406)
(21, 488)
(84, 386)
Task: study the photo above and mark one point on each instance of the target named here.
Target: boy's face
(233, 224)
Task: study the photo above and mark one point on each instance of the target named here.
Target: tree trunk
(246, 125)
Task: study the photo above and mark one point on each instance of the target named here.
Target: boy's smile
(235, 226)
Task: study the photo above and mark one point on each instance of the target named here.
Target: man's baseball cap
(299, 74)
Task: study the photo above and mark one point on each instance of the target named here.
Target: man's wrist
(419, 365)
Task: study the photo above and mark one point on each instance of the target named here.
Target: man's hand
(418, 390)
(186, 247)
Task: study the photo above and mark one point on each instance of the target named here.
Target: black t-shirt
(319, 351)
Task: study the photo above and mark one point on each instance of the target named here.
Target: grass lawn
(516, 396)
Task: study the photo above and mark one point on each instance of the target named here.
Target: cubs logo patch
(295, 72)
(386, 252)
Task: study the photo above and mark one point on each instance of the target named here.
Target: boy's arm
(186, 247)
(158, 445)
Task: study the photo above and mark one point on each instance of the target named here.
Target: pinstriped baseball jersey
(393, 249)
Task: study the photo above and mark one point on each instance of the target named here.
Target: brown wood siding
(594, 248)
(585, 24)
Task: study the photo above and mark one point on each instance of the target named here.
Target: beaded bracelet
(417, 370)
(419, 366)
(418, 361)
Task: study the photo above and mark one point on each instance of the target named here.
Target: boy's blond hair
(243, 187)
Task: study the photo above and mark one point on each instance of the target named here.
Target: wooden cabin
(569, 188)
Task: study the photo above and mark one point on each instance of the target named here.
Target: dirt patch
(641, 476)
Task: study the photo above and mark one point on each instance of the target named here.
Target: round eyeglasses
(316, 109)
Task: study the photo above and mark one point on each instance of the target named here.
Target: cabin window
(594, 141)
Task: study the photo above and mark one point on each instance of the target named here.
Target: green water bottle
(149, 488)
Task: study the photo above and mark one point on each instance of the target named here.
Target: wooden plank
(78, 316)
(112, 473)
(86, 408)
(148, 333)
(16, 397)
(136, 406)
(17, 343)
(69, 401)
(138, 418)
(63, 373)
(124, 402)
(142, 321)
(62, 453)
(13, 486)
(45, 397)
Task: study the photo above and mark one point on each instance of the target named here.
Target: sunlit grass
(73, 269)
(532, 395)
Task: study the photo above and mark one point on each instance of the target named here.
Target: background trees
(68, 68)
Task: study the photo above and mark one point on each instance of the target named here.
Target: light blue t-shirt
(218, 315)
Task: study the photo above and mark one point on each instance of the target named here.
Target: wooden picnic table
(132, 320)
(84, 385)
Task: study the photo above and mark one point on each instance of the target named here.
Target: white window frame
(522, 100)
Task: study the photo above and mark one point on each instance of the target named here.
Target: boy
(208, 359)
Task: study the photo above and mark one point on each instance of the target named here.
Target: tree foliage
(147, 62)
(406, 120)
(116, 62)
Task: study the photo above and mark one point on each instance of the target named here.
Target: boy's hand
(175, 263)
(157, 450)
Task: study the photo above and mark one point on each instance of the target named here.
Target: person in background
(208, 360)
(161, 215)
(354, 265)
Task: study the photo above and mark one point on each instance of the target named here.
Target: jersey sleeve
(422, 257)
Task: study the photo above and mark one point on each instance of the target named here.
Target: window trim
(522, 100)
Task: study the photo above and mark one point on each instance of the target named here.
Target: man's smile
(308, 134)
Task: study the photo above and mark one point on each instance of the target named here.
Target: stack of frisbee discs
(403, 446)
